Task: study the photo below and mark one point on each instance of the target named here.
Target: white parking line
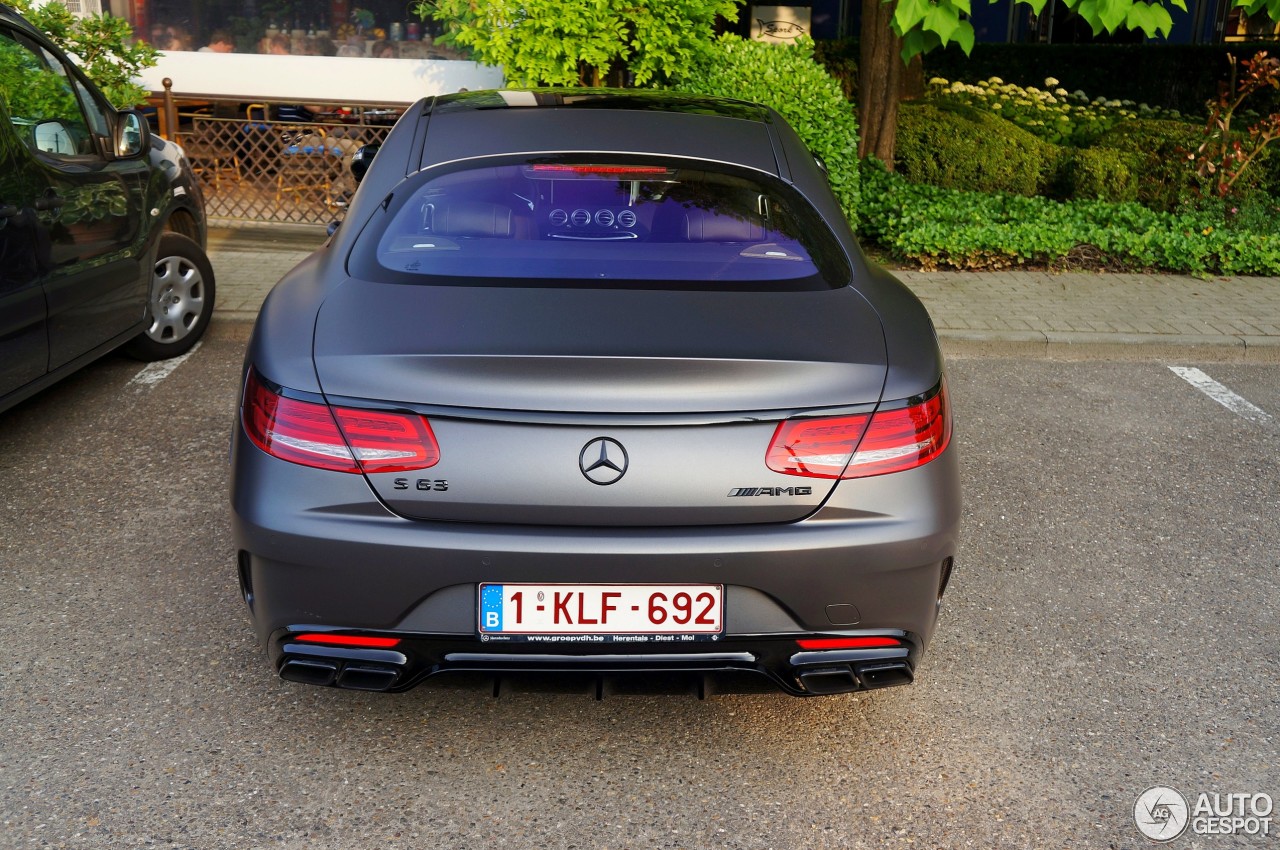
(1223, 396)
(154, 373)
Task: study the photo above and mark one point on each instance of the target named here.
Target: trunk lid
(520, 384)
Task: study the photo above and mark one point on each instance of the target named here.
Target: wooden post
(168, 115)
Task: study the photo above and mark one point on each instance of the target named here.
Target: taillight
(340, 439)
(863, 445)
(388, 442)
(297, 431)
(902, 439)
(815, 448)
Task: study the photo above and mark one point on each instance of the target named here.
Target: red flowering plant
(1225, 155)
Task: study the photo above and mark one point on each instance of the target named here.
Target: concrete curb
(1101, 346)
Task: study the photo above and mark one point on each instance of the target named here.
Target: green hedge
(954, 146)
(959, 147)
(970, 230)
(1165, 180)
(1159, 149)
(787, 78)
(1173, 76)
(1097, 174)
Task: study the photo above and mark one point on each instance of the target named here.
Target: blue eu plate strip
(491, 608)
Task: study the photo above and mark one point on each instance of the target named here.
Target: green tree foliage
(102, 44)
(30, 92)
(788, 79)
(579, 42)
(926, 24)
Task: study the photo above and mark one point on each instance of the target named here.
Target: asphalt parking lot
(1112, 625)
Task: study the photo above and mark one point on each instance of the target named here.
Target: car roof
(617, 121)
(647, 100)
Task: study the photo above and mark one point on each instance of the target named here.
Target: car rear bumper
(317, 551)
(734, 665)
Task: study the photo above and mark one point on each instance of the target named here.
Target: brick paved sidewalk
(1026, 313)
(1061, 312)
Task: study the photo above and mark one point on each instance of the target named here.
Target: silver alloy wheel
(177, 299)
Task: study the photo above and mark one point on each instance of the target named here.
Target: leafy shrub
(787, 78)
(1224, 156)
(1257, 212)
(1159, 149)
(1159, 154)
(959, 147)
(968, 230)
(1097, 173)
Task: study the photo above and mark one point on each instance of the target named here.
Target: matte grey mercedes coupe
(594, 387)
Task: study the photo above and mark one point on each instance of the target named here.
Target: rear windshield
(601, 223)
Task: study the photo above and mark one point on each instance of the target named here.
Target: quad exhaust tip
(309, 671)
(368, 677)
(352, 676)
(843, 678)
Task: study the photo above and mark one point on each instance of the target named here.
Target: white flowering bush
(1051, 113)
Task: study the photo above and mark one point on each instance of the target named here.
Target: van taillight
(341, 439)
(865, 444)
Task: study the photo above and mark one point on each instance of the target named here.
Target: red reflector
(347, 640)
(604, 169)
(889, 441)
(307, 433)
(849, 643)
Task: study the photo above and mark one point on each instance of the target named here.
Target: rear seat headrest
(704, 226)
(471, 218)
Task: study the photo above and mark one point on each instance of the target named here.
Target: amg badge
(771, 491)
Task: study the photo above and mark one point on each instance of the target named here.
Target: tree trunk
(879, 82)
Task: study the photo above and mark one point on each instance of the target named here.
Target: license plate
(617, 611)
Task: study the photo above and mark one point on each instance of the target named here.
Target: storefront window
(364, 28)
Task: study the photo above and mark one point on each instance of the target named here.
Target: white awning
(315, 79)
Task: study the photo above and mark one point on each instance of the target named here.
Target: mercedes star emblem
(603, 460)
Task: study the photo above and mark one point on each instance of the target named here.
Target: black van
(102, 226)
